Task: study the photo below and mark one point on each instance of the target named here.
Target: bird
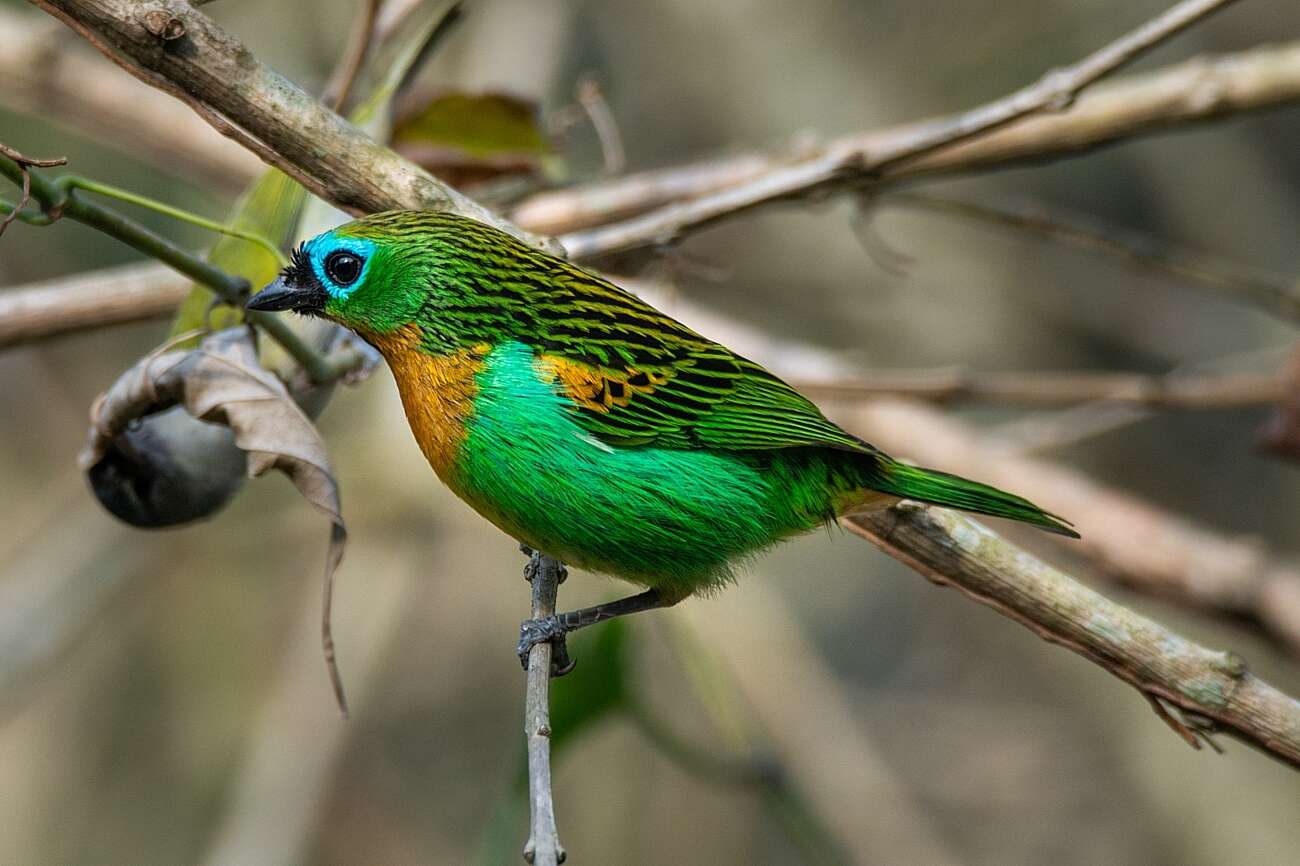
(587, 424)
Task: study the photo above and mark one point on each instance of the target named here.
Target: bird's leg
(554, 628)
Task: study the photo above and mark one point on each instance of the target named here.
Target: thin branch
(953, 550)
(1055, 91)
(1172, 391)
(592, 99)
(354, 58)
(71, 181)
(1179, 95)
(1275, 295)
(543, 848)
(17, 157)
(133, 293)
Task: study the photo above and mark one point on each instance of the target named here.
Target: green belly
(660, 517)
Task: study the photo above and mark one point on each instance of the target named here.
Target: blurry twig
(543, 847)
(1276, 295)
(1054, 428)
(592, 99)
(1171, 391)
(132, 293)
(953, 550)
(354, 57)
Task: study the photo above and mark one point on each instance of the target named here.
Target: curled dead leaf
(221, 385)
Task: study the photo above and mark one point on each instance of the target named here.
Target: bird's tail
(940, 488)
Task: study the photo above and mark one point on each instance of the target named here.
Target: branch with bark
(1195, 91)
(1212, 690)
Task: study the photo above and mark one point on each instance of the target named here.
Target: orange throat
(437, 391)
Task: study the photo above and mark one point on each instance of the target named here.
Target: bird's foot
(535, 631)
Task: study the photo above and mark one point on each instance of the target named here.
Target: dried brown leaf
(221, 382)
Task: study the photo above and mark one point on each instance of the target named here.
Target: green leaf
(271, 207)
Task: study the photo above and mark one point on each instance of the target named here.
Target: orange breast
(437, 392)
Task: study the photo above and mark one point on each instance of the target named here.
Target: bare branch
(692, 195)
(592, 99)
(953, 550)
(1275, 295)
(359, 42)
(126, 294)
(1172, 391)
(1055, 91)
(543, 848)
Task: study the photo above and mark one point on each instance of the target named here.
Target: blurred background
(166, 701)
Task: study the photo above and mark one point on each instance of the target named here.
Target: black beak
(276, 296)
(280, 295)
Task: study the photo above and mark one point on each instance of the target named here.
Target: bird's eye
(343, 267)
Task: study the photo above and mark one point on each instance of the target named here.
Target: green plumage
(590, 425)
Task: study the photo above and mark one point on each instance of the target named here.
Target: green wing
(637, 376)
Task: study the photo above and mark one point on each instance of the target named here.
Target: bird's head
(371, 275)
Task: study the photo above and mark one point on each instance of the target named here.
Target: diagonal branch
(1055, 91)
(217, 76)
(1134, 542)
(1213, 690)
(672, 201)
